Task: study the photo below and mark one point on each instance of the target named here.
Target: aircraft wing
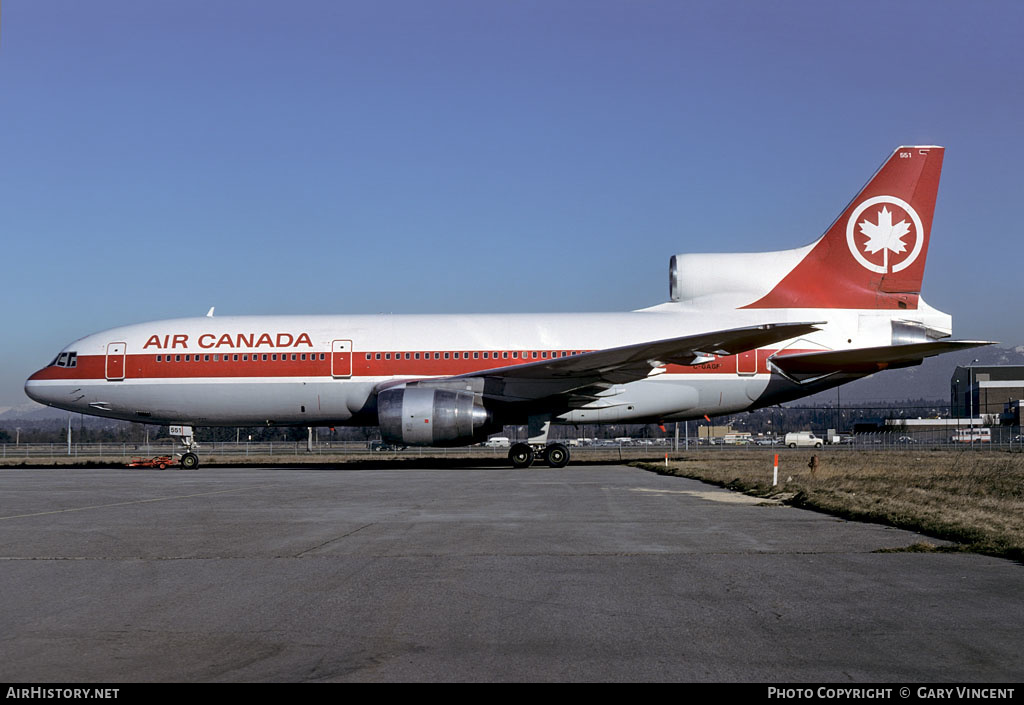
(594, 371)
(865, 361)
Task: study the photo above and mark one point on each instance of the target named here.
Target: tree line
(768, 421)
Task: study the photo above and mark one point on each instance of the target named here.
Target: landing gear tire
(189, 461)
(520, 455)
(556, 455)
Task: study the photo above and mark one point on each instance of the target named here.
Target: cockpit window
(66, 359)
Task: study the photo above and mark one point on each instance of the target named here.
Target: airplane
(740, 331)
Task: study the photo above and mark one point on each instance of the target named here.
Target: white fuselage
(324, 370)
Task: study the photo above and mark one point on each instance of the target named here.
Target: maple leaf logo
(885, 235)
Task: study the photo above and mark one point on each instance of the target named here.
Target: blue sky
(159, 158)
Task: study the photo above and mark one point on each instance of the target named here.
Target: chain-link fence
(975, 439)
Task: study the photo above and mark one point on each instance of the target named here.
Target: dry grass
(975, 499)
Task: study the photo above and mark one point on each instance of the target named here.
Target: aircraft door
(115, 361)
(341, 358)
(746, 363)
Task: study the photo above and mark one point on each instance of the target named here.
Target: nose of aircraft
(38, 391)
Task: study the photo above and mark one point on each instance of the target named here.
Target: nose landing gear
(189, 460)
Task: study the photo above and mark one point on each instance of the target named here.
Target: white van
(803, 439)
(498, 442)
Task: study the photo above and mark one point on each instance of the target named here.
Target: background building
(985, 389)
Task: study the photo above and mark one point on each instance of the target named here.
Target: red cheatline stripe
(209, 365)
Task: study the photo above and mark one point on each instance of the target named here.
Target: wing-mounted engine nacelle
(427, 416)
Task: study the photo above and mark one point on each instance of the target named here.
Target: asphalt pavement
(588, 573)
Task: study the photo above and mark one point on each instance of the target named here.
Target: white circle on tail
(883, 235)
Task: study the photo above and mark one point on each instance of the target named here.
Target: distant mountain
(30, 411)
(37, 417)
(929, 380)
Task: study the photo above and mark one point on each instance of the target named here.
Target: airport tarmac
(588, 573)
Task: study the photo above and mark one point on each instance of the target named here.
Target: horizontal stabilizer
(865, 361)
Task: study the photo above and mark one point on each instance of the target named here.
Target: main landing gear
(522, 455)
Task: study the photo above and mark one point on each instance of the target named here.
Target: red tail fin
(873, 255)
